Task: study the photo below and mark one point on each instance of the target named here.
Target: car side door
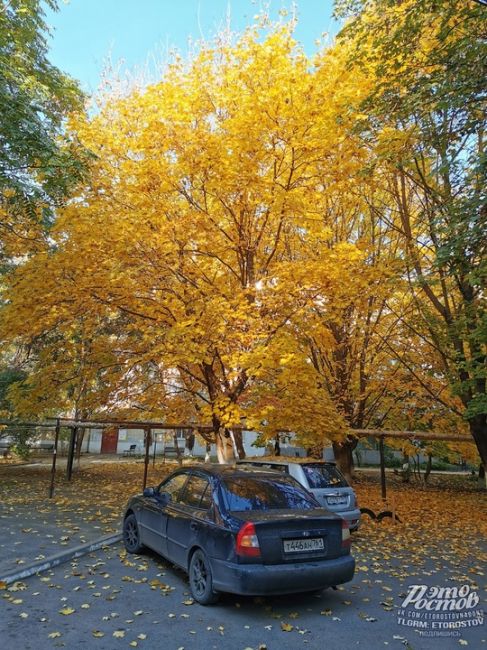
(187, 517)
(153, 516)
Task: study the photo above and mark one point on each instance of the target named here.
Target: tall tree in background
(191, 230)
(426, 117)
(38, 165)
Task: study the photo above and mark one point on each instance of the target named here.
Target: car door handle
(193, 525)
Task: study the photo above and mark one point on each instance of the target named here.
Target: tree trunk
(478, 429)
(224, 446)
(343, 456)
(406, 469)
(207, 454)
(238, 437)
(416, 467)
(482, 477)
(176, 447)
(277, 445)
(80, 434)
(427, 471)
(190, 438)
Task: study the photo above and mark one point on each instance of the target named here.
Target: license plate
(337, 501)
(303, 545)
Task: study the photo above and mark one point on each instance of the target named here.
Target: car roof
(286, 460)
(228, 471)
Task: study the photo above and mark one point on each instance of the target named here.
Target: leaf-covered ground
(446, 521)
(436, 521)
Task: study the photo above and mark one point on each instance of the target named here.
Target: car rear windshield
(248, 493)
(324, 476)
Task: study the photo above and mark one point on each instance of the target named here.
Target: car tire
(200, 579)
(131, 535)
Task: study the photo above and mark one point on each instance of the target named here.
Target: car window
(197, 493)
(324, 476)
(248, 493)
(174, 487)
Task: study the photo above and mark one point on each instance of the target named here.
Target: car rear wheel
(131, 535)
(200, 580)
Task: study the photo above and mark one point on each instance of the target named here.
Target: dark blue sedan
(240, 530)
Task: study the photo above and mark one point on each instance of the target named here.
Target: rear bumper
(352, 517)
(268, 579)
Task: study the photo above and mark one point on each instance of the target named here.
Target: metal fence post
(54, 455)
(382, 469)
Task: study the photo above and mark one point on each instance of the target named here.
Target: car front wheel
(131, 535)
(200, 581)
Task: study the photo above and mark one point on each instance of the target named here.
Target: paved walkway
(107, 600)
(33, 526)
(29, 534)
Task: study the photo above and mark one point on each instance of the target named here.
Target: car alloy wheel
(200, 581)
(131, 537)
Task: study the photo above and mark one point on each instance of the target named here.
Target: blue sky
(87, 32)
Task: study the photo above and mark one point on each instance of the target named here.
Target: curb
(60, 558)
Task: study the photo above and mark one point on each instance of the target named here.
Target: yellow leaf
(97, 634)
(54, 635)
(65, 611)
(119, 634)
(287, 627)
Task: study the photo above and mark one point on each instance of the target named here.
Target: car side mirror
(164, 498)
(149, 492)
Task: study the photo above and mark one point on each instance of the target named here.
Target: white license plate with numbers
(303, 545)
(337, 501)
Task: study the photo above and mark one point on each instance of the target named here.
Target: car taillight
(346, 540)
(247, 542)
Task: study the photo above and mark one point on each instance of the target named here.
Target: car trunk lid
(295, 536)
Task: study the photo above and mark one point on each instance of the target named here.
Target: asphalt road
(141, 601)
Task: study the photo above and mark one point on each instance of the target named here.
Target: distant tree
(426, 61)
(8, 377)
(38, 164)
